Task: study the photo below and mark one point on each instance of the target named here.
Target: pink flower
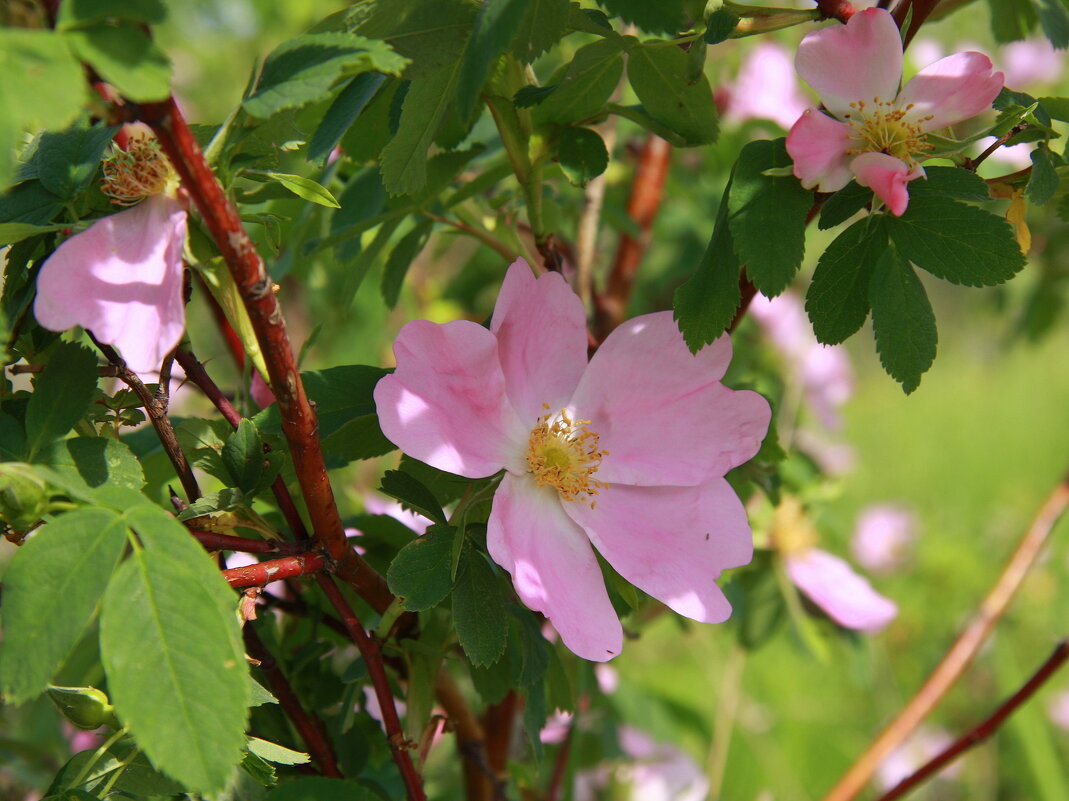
(766, 88)
(1058, 709)
(925, 744)
(627, 453)
(884, 537)
(1032, 62)
(873, 132)
(121, 278)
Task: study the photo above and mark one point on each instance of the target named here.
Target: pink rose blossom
(626, 453)
(846, 597)
(872, 132)
(911, 755)
(1058, 709)
(1030, 63)
(884, 537)
(766, 88)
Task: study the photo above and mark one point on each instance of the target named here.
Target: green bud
(23, 496)
(85, 707)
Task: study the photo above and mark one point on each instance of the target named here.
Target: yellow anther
(564, 454)
(140, 171)
(884, 128)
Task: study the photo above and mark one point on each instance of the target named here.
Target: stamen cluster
(140, 171)
(884, 127)
(565, 454)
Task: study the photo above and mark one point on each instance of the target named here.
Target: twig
(309, 727)
(985, 729)
(497, 724)
(964, 649)
(372, 654)
(560, 764)
(921, 9)
(18, 369)
(213, 541)
(841, 10)
(262, 573)
(471, 741)
(587, 234)
(486, 238)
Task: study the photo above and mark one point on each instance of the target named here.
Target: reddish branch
(299, 422)
(841, 10)
(275, 570)
(310, 728)
(226, 542)
(372, 654)
(471, 741)
(921, 11)
(985, 729)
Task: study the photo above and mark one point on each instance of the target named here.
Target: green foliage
(665, 16)
(719, 26)
(838, 297)
(421, 574)
(125, 57)
(1043, 182)
(586, 85)
(582, 154)
(412, 494)
(902, 320)
(496, 23)
(479, 610)
(660, 77)
(320, 788)
(542, 26)
(66, 161)
(251, 470)
(343, 112)
(87, 13)
(63, 392)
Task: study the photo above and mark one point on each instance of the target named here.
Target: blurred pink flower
(766, 88)
(1030, 63)
(660, 772)
(925, 744)
(626, 453)
(378, 505)
(884, 537)
(1058, 709)
(873, 132)
(121, 278)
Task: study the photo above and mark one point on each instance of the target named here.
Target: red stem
(275, 570)
(225, 542)
(372, 654)
(841, 10)
(921, 10)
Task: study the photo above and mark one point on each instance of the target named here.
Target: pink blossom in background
(1058, 709)
(659, 772)
(379, 505)
(872, 132)
(626, 454)
(261, 393)
(884, 537)
(766, 88)
(925, 744)
(1031, 63)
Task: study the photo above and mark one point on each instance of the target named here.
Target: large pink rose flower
(873, 132)
(627, 453)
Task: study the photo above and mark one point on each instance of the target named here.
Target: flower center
(564, 454)
(138, 172)
(792, 530)
(885, 128)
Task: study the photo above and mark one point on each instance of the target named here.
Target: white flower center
(564, 454)
(883, 127)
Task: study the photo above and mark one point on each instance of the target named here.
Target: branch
(213, 541)
(964, 649)
(471, 742)
(985, 729)
(841, 10)
(921, 10)
(275, 570)
(372, 654)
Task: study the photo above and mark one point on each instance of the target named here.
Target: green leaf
(591, 77)
(959, 243)
(582, 154)
(1054, 20)
(83, 464)
(479, 610)
(49, 93)
(496, 22)
(12, 232)
(168, 607)
(1011, 20)
(29, 202)
(1043, 182)
(1056, 107)
(278, 754)
(51, 590)
(838, 298)
(320, 788)
(421, 573)
(68, 160)
(400, 259)
(125, 57)
(343, 112)
(249, 467)
(719, 26)
(85, 13)
(953, 182)
(843, 205)
(705, 305)
(357, 439)
(432, 33)
(659, 76)
(543, 25)
(412, 494)
(305, 188)
(120, 771)
(902, 320)
(663, 16)
(61, 395)
(306, 69)
(767, 216)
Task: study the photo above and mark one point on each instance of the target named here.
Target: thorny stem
(972, 164)
(372, 654)
(921, 9)
(964, 649)
(497, 722)
(262, 573)
(308, 726)
(19, 369)
(299, 423)
(985, 729)
(485, 237)
(471, 741)
(226, 542)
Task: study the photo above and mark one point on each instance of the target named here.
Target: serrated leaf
(902, 320)
(958, 243)
(61, 395)
(1054, 19)
(12, 232)
(243, 456)
(119, 771)
(343, 112)
(953, 182)
(582, 154)
(663, 16)
(838, 298)
(479, 610)
(420, 574)
(1011, 20)
(168, 608)
(496, 22)
(1056, 107)
(719, 26)
(83, 464)
(843, 205)
(1043, 182)
(306, 69)
(543, 25)
(272, 752)
(767, 217)
(126, 58)
(359, 438)
(659, 76)
(67, 160)
(51, 590)
(400, 259)
(432, 33)
(413, 494)
(705, 305)
(85, 13)
(589, 80)
(305, 188)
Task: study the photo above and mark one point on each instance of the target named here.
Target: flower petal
(846, 597)
(446, 404)
(952, 89)
(819, 144)
(553, 567)
(861, 60)
(887, 177)
(121, 278)
(540, 326)
(671, 542)
(661, 412)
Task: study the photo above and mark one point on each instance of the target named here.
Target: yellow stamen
(792, 530)
(883, 127)
(564, 454)
(138, 172)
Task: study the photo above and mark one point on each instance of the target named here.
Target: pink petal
(887, 177)
(766, 87)
(671, 542)
(846, 597)
(661, 412)
(260, 391)
(541, 335)
(446, 404)
(952, 89)
(121, 278)
(819, 144)
(553, 567)
(861, 60)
